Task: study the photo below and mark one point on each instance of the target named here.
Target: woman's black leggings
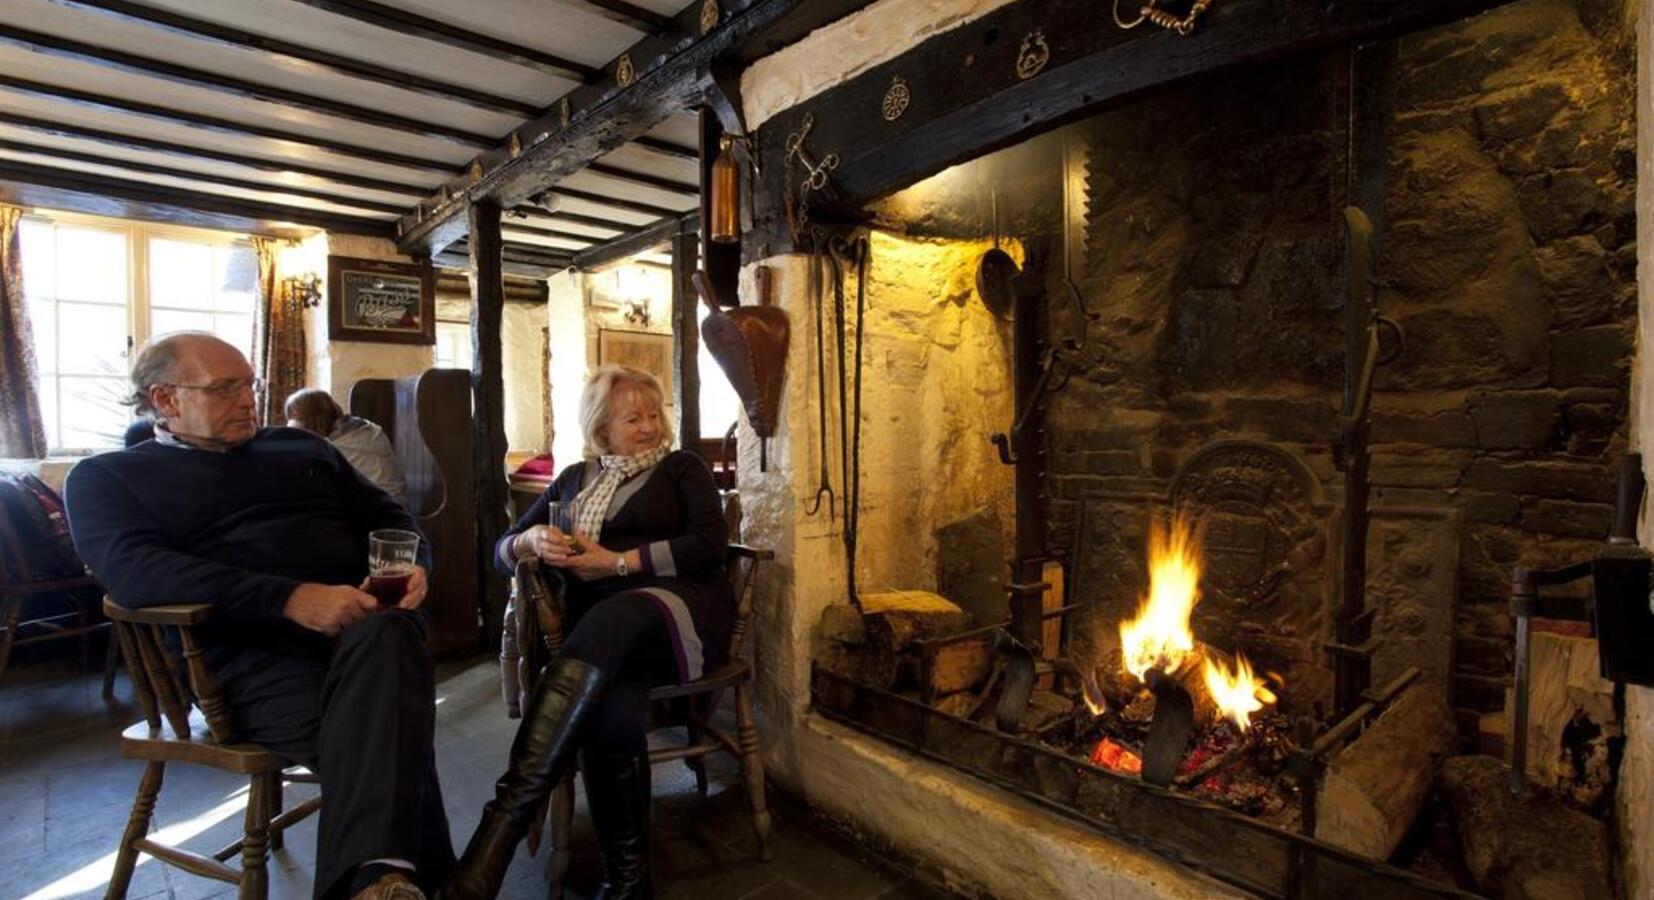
(624, 637)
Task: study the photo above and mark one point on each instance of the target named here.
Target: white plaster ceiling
(45, 126)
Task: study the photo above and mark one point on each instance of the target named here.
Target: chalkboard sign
(374, 300)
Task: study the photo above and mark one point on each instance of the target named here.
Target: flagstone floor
(65, 794)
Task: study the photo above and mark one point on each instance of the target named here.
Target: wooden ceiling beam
(132, 64)
(224, 35)
(646, 209)
(133, 142)
(400, 21)
(206, 177)
(629, 14)
(222, 126)
(669, 77)
(642, 179)
(668, 148)
(634, 242)
(535, 212)
(513, 224)
(48, 186)
(959, 113)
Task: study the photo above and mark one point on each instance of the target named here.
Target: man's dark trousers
(364, 721)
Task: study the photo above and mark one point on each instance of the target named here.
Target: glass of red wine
(391, 554)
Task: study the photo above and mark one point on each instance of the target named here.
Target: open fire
(1160, 637)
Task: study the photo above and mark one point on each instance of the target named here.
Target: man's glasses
(225, 390)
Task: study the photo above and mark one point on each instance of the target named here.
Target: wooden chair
(702, 697)
(185, 721)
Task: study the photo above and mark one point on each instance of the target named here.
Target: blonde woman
(646, 602)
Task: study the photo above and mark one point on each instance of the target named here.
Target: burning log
(1375, 787)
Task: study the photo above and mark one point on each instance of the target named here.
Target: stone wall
(1214, 252)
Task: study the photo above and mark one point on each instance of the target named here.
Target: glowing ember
(1116, 758)
(1237, 694)
(1160, 635)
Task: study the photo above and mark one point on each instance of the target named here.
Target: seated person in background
(141, 429)
(361, 441)
(270, 526)
(647, 602)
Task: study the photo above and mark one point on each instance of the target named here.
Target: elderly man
(270, 526)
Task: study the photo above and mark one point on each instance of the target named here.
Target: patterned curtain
(22, 429)
(278, 336)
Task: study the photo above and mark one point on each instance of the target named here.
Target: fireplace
(1205, 372)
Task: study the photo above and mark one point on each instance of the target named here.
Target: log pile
(1374, 788)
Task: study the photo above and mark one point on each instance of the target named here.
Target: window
(453, 344)
(98, 287)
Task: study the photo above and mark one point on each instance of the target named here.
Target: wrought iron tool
(1174, 721)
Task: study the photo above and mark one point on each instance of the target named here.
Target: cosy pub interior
(886, 448)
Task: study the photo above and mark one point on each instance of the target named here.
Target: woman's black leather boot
(540, 757)
(617, 790)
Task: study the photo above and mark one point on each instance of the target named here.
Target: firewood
(961, 666)
(1571, 720)
(897, 618)
(1375, 787)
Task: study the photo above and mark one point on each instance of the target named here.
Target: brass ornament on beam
(710, 14)
(563, 112)
(1033, 55)
(624, 73)
(514, 145)
(475, 172)
(1184, 26)
(897, 98)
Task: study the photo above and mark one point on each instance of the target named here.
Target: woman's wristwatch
(621, 569)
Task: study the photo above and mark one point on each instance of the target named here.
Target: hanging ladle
(995, 271)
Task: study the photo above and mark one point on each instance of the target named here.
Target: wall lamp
(306, 289)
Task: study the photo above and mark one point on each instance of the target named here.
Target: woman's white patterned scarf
(592, 504)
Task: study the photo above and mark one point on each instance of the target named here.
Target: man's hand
(331, 608)
(416, 590)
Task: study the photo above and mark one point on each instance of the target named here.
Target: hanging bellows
(750, 345)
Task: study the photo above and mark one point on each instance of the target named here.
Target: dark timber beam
(967, 100)
(27, 184)
(278, 167)
(224, 35)
(647, 209)
(391, 18)
(632, 243)
(488, 406)
(686, 348)
(667, 148)
(239, 88)
(603, 116)
(206, 177)
(536, 214)
(629, 14)
(643, 179)
(93, 100)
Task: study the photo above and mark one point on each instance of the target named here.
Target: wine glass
(564, 515)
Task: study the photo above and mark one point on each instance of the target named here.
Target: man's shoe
(617, 792)
(393, 886)
(540, 756)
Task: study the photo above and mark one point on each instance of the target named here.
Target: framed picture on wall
(375, 300)
(646, 350)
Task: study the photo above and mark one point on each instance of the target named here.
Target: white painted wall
(338, 365)
(566, 316)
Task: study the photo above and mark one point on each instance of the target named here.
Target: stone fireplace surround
(1513, 442)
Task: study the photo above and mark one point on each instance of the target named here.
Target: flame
(1237, 694)
(1160, 635)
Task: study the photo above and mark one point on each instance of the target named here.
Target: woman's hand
(594, 561)
(546, 543)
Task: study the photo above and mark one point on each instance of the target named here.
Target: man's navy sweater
(240, 530)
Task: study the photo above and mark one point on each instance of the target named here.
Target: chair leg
(10, 608)
(752, 766)
(137, 828)
(111, 652)
(696, 764)
(275, 807)
(255, 847)
(560, 824)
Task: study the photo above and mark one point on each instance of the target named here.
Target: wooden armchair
(17, 587)
(185, 721)
(702, 696)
